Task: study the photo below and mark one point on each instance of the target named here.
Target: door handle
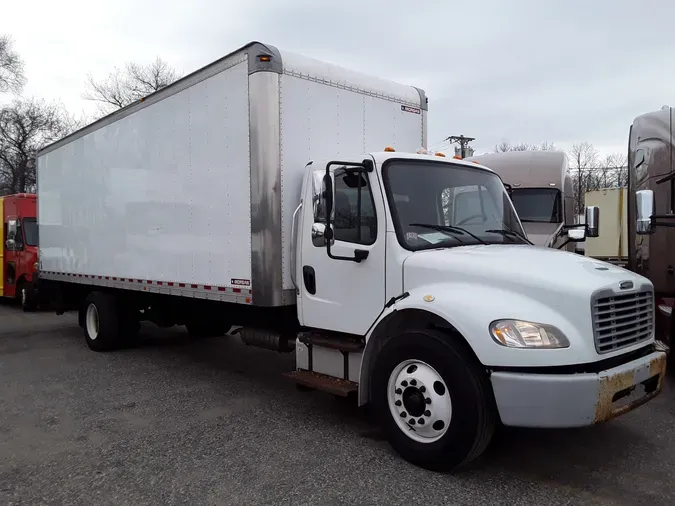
(309, 278)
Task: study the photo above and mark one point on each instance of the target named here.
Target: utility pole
(464, 150)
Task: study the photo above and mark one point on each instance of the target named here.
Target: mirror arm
(566, 243)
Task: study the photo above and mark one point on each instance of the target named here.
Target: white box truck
(611, 245)
(257, 193)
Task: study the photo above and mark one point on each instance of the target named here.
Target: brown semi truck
(651, 211)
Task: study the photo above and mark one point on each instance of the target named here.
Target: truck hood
(471, 286)
(538, 272)
(541, 234)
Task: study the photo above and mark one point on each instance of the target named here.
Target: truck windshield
(438, 204)
(30, 231)
(537, 204)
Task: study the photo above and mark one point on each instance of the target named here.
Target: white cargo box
(612, 243)
(191, 191)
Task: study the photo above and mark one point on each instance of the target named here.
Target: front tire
(28, 297)
(433, 400)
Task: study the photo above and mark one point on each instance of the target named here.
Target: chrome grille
(621, 320)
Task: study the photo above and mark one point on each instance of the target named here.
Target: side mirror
(319, 236)
(328, 199)
(576, 234)
(328, 194)
(592, 221)
(12, 229)
(644, 203)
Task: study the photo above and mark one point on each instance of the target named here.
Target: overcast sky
(523, 70)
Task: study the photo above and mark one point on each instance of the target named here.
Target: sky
(518, 70)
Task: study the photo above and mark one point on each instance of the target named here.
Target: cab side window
(355, 219)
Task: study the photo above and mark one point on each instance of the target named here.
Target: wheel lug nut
(411, 421)
(403, 414)
(398, 403)
(413, 382)
(423, 389)
(399, 391)
(427, 400)
(404, 383)
(427, 413)
(421, 421)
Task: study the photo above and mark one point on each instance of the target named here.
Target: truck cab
(651, 209)
(541, 190)
(19, 250)
(446, 293)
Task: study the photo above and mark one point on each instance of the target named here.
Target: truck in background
(541, 190)
(255, 193)
(651, 208)
(611, 245)
(19, 248)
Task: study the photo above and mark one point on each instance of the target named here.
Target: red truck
(19, 249)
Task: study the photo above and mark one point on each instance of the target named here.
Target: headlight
(520, 334)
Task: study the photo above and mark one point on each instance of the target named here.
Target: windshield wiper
(447, 228)
(510, 233)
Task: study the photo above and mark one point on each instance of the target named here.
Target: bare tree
(11, 67)
(583, 158)
(26, 126)
(616, 165)
(125, 86)
(506, 146)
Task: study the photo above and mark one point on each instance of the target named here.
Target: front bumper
(577, 400)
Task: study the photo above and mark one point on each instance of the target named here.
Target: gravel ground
(212, 422)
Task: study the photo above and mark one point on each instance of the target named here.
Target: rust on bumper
(611, 385)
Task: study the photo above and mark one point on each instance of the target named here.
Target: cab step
(340, 343)
(323, 382)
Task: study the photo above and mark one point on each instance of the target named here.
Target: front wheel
(28, 297)
(433, 400)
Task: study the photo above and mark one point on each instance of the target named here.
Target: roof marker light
(389, 149)
(440, 154)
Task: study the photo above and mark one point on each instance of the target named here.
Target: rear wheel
(107, 324)
(433, 400)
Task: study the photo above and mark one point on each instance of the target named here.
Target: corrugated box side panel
(161, 194)
(328, 111)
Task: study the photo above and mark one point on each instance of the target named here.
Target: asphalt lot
(180, 422)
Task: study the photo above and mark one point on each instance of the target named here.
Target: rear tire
(433, 400)
(101, 322)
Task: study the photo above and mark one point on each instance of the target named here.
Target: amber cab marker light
(389, 149)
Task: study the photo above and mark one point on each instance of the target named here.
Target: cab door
(342, 287)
